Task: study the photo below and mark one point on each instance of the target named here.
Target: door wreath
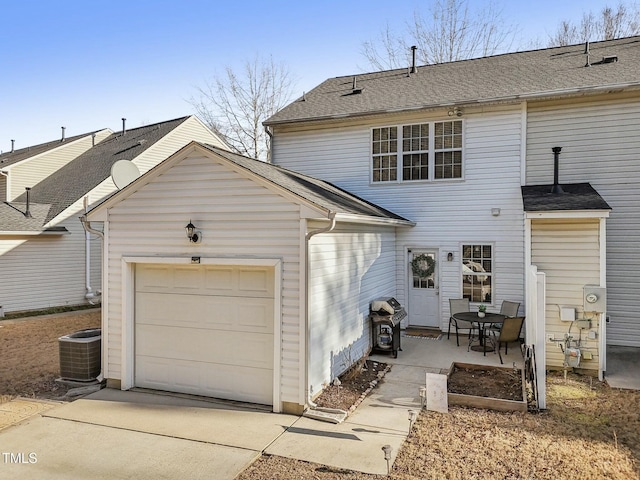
(423, 265)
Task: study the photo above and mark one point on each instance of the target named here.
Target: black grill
(385, 326)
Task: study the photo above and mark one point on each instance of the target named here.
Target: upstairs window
(448, 149)
(421, 151)
(415, 152)
(385, 154)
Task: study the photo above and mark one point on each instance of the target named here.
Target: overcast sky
(85, 65)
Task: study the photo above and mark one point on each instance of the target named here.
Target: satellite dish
(123, 172)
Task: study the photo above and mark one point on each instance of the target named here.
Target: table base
(480, 348)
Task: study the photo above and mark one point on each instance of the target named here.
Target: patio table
(488, 318)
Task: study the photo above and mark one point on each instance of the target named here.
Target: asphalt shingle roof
(537, 73)
(576, 196)
(70, 183)
(9, 158)
(321, 193)
(13, 219)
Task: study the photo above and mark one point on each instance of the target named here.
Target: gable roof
(509, 77)
(576, 196)
(320, 193)
(71, 182)
(9, 158)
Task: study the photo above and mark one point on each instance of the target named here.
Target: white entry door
(423, 292)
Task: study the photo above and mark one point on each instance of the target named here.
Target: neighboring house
(46, 259)
(455, 147)
(278, 281)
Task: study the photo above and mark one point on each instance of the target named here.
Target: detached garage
(236, 307)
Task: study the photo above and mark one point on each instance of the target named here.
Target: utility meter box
(595, 299)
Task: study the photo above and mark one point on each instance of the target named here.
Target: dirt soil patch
(491, 382)
(352, 386)
(29, 346)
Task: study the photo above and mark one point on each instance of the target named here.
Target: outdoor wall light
(193, 235)
(455, 111)
(450, 257)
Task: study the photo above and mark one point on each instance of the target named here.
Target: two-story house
(465, 150)
(370, 175)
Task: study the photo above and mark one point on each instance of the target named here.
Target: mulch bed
(353, 386)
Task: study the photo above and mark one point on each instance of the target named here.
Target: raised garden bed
(483, 386)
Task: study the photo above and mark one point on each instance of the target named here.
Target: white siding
(568, 253)
(44, 271)
(349, 267)
(238, 219)
(32, 171)
(448, 213)
(600, 145)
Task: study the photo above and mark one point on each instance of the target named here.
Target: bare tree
(610, 24)
(235, 104)
(450, 32)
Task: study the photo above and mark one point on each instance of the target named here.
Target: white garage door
(205, 330)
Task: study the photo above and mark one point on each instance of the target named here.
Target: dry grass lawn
(589, 431)
(29, 364)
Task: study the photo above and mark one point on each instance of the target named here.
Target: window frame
(491, 274)
(431, 153)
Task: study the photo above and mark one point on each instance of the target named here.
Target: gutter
(312, 407)
(369, 220)
(90, 295)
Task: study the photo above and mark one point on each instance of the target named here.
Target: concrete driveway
(115, 434)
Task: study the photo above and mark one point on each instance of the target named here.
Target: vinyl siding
(349, 267)
(448, 213)
(44, 271)
(31, 171)
(567, 251)
(238, 219)
(600, 145)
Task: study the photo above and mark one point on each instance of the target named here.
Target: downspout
(332, 219)
(90, 295)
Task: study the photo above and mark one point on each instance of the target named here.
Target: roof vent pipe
(63, 129)
(414, 69)
(587, 53)
(13, 143)
(556, 184)
(124, 130)
(27, 212)
(93, 139)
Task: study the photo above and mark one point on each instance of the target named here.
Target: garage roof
(320, 193)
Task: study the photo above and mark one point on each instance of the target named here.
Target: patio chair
(508, 309)
(510, 332)
(459, 305)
